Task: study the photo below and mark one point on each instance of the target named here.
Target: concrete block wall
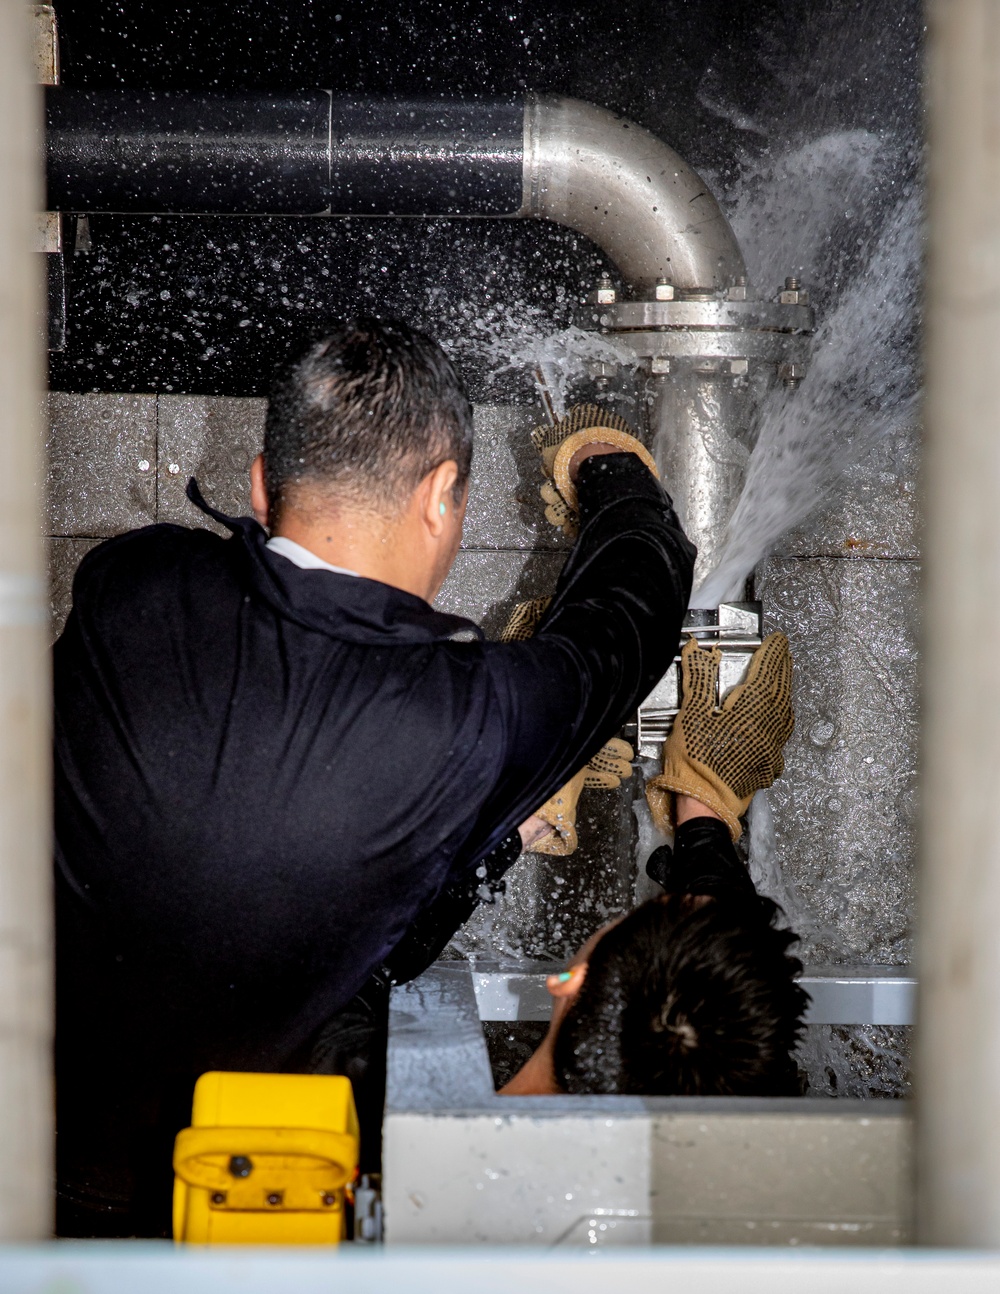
(846, 590)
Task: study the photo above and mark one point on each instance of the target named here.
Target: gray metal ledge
(838, 994)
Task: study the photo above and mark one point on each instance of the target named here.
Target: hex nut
(739, 367)
(606, 294)
(275, 1198)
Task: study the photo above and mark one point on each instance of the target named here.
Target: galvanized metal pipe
(629, 192)
(958, 1042)
(25, 811)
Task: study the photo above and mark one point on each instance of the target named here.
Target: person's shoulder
(146, 556)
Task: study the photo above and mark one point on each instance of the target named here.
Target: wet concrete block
(505, 509)
(101, 460)
(486, 586)
(874, 512)
(64, 557)
(553, 905)
(857, 1060)
(842, 860)
(214, 439)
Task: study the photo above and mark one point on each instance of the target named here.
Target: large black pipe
(307, 153)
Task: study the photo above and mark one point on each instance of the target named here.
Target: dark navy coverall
(265, 777)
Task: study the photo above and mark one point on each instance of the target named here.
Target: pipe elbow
(628, 192)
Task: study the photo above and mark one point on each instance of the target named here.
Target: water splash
(862, 383)
(559, 359)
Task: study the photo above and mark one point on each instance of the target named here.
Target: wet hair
(365, 414)
(687, 999)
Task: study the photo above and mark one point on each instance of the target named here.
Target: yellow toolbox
(266, 1161)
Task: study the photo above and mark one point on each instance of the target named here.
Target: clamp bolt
(241, 1166)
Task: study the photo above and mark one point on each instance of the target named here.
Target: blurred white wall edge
(122, 1268)
(26, 1116)
(957, 1073)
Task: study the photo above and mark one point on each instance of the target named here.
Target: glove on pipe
(585, 424)
(605, 770)
(721, 755)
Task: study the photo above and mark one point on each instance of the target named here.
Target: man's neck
(373, 546)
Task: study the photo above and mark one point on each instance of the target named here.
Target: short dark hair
(687, 999)
(367, 411)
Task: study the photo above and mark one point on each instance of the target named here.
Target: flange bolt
(793, 294)
(738, 291)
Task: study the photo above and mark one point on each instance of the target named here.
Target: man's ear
(258, 491)
(568, 982)
(437, 497)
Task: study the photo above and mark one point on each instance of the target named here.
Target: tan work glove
(606, 769)
(721, 755)
(585, 424)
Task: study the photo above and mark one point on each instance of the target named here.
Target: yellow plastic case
(266, 1160)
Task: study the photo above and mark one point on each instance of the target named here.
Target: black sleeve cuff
(702, 861)
(607, 478)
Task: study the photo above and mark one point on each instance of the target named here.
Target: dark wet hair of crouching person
(364, 414)
(687, 995)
